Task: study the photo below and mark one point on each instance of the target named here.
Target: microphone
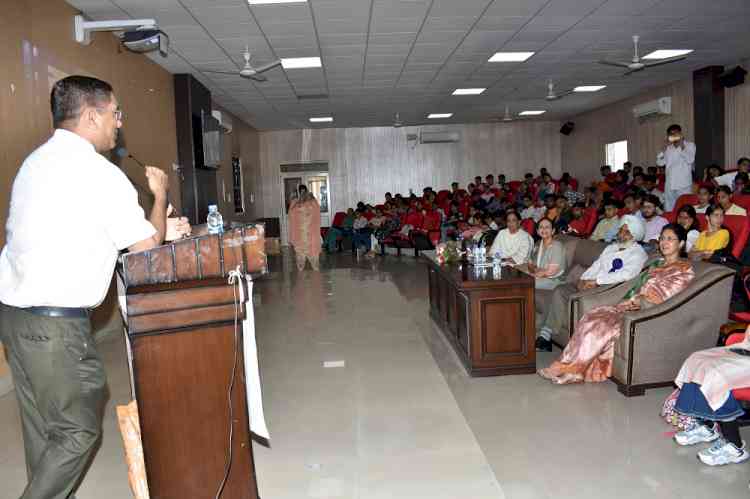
(122, 152)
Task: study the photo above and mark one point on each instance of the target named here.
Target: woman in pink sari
(588, 356)
(304, 229)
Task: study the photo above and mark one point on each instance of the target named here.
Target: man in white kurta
(619, 262)
(678, 158)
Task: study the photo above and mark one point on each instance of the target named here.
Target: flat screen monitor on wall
(207, 141)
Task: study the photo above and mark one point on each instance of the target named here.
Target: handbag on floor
(673, 417)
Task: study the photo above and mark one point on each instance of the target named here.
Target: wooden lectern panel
(181, 385)
(180, 320)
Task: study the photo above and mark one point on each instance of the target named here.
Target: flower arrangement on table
(449, 252)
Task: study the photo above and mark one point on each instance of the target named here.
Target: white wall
(364, 163)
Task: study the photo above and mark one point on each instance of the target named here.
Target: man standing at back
(678, 158)
(71, 211)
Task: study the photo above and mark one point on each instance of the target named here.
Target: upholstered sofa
(656, 341)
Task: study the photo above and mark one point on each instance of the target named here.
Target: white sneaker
(723, 452)
(697, 434)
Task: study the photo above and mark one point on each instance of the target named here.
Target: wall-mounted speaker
(733, 77)
(567, 128)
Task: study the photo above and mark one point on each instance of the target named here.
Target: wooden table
(488, 319)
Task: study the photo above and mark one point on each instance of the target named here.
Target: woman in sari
(304, 229)
(588, 356)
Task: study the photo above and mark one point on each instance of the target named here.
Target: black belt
(68, 312)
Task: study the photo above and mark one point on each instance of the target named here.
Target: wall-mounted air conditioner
(661, 106)
(224, 121)
(439, 137)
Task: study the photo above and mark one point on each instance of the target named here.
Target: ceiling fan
(552, 95)
(249, 71)
(636, 63)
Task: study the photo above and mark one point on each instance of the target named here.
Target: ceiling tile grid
(380, 57)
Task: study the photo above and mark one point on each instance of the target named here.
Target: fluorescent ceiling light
(439, 115)
(301, 62)
(663, 54)
(531, 113)
(266, 2)
(589, 88)
(468, 91)
(510, 56)
(322, 119)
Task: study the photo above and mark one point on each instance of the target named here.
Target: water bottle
(482, 252)
(497, 260)
(215, 221)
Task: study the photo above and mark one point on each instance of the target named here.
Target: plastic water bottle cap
(212, 207)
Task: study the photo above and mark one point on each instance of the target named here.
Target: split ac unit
(661, 106)
(439, 137)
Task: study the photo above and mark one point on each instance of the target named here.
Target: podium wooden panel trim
(183, 339)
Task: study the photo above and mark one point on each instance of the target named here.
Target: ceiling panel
(383, 56)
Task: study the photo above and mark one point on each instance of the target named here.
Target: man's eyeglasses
(117, 113)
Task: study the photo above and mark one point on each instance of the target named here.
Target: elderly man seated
(620, 261)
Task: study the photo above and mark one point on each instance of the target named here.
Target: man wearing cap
(620, 261)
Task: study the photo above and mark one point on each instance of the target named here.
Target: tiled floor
(402, 419)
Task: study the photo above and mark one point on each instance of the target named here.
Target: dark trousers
(61, 389)
(362, 238)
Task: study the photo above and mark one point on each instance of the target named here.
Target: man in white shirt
(678, 158)
(619, 262)
(71, 211)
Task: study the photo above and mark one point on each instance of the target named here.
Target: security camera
(138, 35)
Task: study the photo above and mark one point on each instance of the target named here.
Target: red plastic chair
(574, 184)
(415, 219)
(338, 219)
(442, 196)
(670, 215)
(579, 226)
(514, 185)
(742, 316)
(690, 199)
(464, 209)
(592, 217)
(702, 221)
(742, 200)
(739, 227)
(528, 225)
(740, 394)
(431, 227)
(431, 221)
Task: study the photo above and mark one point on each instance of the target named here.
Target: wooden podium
(181, 328)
